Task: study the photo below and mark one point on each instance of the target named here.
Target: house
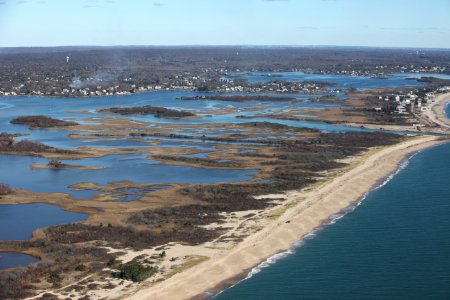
(400, 109)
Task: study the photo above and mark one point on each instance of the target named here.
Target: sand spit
(313, 206)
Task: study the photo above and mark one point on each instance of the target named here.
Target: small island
(158, 112)
(41, 122)
(55, 164)
(8, 145)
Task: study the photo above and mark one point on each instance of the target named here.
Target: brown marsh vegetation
(41, 122)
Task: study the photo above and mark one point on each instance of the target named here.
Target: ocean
(394, 245)
(447, 110)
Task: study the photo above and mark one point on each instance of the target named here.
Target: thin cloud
(159, 4)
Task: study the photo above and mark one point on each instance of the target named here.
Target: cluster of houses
(279, 87)
(92, 90)
(378, 70)
(207, 80)
(409, 102)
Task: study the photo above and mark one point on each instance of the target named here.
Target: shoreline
(436, 111)
(332, 219)
(314, 207)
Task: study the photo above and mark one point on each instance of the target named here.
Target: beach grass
(195, 260)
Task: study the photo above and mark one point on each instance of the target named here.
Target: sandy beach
(436, 111)
(313, 206)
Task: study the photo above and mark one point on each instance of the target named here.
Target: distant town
(90, 72)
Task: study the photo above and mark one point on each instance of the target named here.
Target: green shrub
(80, 268)
(135, 272)
(111, 262)
(54, 278)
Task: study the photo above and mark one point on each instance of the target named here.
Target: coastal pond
(15, 260)
(135, 168)
(19, 221)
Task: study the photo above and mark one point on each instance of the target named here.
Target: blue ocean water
(394, 245)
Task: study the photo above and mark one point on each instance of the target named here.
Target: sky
(380, 23)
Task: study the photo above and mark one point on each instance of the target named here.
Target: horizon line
(224, 45)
